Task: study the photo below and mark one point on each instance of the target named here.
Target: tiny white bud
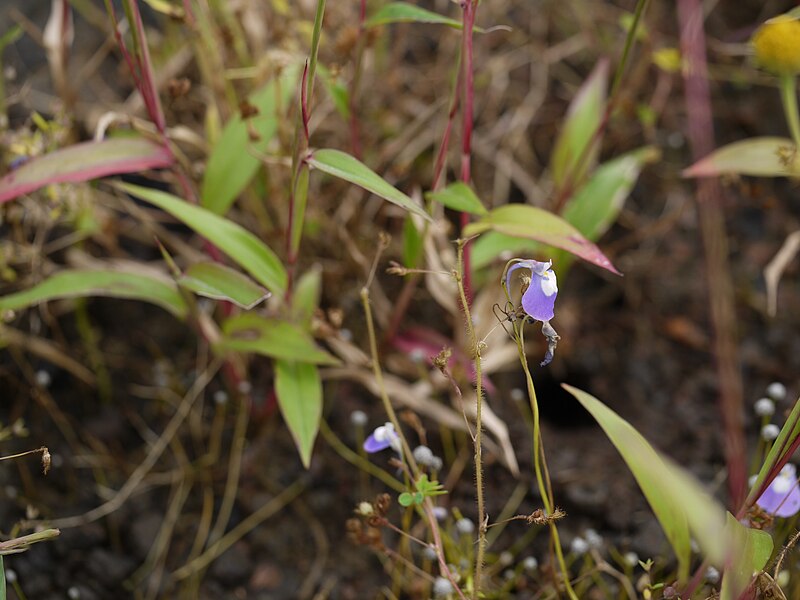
(776, 390)
(73, 593)
(429, 553)
(43, 379)
(506, 558)
(517, 395)
(764, 407)
(530, 563)
(423, 455)
(436, 464)
(770, 432)
(508, 574)
(220, 397)
(442, 587)
(11, 492)
(11, 576)
(579, 546)
(631, 558)
(712, 575)
(365, 509)
(751, 481)
(783, 579)
(465, 526)
(358, 418)
(417, 355)
(440, 512)
(244, 387)
(594, 539)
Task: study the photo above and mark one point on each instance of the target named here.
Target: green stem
(789, 99)
(539, 464)
(476, 354)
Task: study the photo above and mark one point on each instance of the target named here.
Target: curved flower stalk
(539, 291)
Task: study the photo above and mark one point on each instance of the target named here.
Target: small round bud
(220, 397)
(43, 379)
(429, 553)
(751, 481)
(244, 387)
(423, 455)
(530, 564)
(365, 509)
(508, 574)
(506, 558)
(777, 391)
(442, 587)
(74, 593)
(417, 355)
(764, 407)
(579, 546)
(358, 418)
(770, 432)
(517, 395)
(631, 558)
(594, 539)
(783, 579)
(11, 576)
(436, 464)
(776, 47)
(712, 575)
(440, 512)
(465, 526)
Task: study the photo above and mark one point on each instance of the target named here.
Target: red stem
(709, 209)
(466, 123)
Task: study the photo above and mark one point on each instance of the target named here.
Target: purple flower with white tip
(539, 291)
(383, 437)
(539, 299)
(782, 496)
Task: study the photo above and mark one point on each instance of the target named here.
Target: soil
(642, 343)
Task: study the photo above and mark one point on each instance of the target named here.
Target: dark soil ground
(642, 343)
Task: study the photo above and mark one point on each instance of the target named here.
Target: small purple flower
(540, 297)
(383, 437)
(782, 497)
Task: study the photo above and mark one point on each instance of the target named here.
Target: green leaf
(250, 253)
(305, 298)
(299, 390)
(597, 204)
(576, 148)
(82, 162)
(419, 497)
(680, 503)
(214, 280)
(492, 245)
(412, 243)
(521, 220)
(234, 159)
(250, 332)
(759, 157)
(458, 196)
(80, 283)
(403, 12)
(342, 165)
(755, 549)
(405, 499)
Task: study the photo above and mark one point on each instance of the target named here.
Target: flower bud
(764, 407)
(776, 45)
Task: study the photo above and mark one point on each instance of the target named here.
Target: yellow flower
(777, 45)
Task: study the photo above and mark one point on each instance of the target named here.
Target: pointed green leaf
(577, 145)
(342, 165)
(521, 220)
(458, 196)
(403, 12)
(755, 549)
(305, 298)
(492, 245)
(83, 162)
(299, 390)
(250, 253)
(412, 243)
(759, 157)
(214, 280)
(80, 283)
(250, 332)
(680, 502)
(234, 159)
(594, 207)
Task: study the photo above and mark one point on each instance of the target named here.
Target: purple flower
(383, 437)
(540, 297)
(782, 496)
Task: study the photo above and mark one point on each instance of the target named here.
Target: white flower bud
(770, 432)
(631, 558)
(594, 539)
(530, 563)
(220, 397)
(764, 407)
(442, 587)
(465, 526)
(440, 512)
(43, 379)
(579, 546)
(423, 455)
(777, 391)
(712, 575)
(11, 576)
(517, 395)
(358, 418)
